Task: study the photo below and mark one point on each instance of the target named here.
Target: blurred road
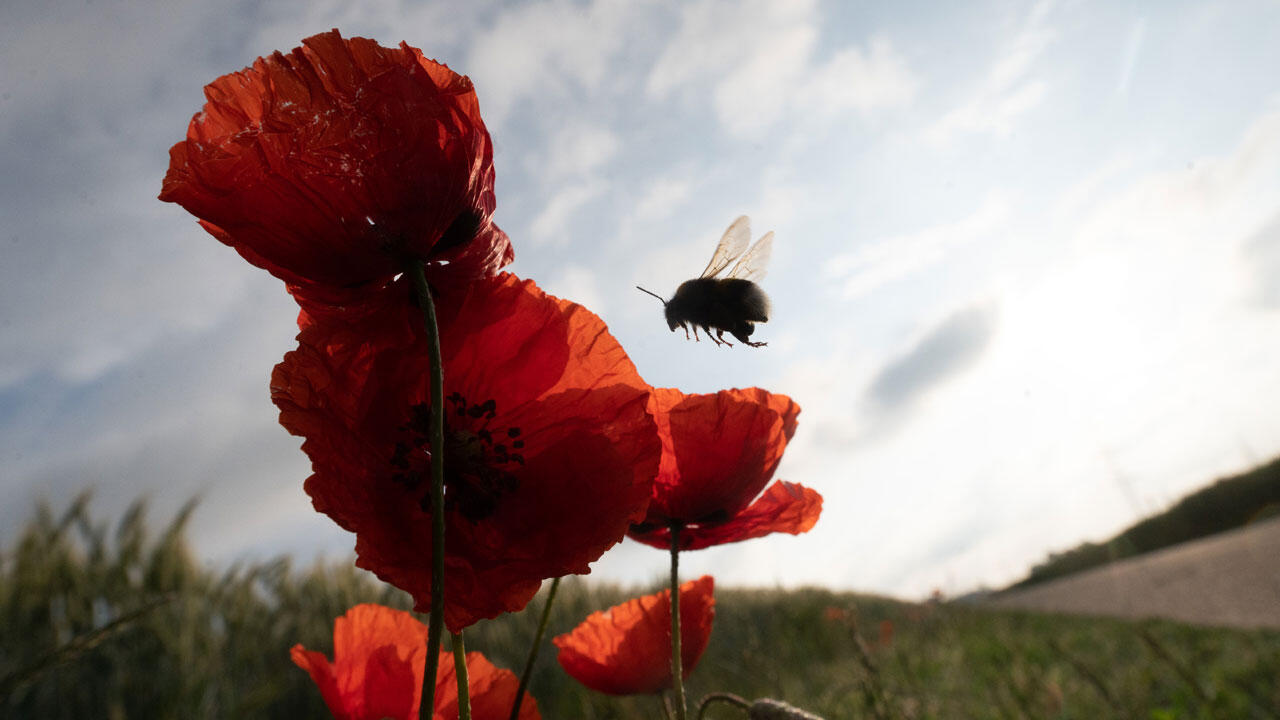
(1230, 579)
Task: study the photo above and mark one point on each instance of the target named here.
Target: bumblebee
(733, 303)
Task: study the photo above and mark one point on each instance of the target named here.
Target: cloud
(576, 151)
(761, 63)
(189, 418)
(552, 224)
(1262, 252)
(947, 349)
(881, 262)
(1007, 91)
(579, 284)
(97, 271)
(547, 49)
(663, 196)
(858, 81)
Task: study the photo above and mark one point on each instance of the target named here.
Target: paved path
(1230, 579)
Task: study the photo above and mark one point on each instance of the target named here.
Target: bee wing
(733, 244)
(755, 263)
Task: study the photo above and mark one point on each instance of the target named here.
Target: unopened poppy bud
(766, 709)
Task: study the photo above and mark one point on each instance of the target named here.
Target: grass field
(112, 622)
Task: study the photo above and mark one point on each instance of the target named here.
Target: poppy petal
(379, 658)
(626, 650)
(719, 451)
(492, 690)
(333, 165)
(785, 507)
(550, 451)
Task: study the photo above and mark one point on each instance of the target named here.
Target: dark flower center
(462, 230)
(478, 459)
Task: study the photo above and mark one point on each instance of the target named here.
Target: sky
(1025, 278)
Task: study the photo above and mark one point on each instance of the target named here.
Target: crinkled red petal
(379, 661)
(589, 447)
(626, 650)
(492, 691)
(335, 164)
(719, 451)
(379, 658)
(785, 507)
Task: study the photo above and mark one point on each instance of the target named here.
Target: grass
(120, 622)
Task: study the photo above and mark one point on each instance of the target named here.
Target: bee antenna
(664, 302)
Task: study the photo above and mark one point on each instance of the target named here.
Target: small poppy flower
(492, 691)
(549, 449)
(336, 164)
(718, 452)
(626, 650)
(379, 657)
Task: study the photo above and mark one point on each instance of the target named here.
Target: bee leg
(720, 334)
(743, 333)
(686, 332)
(695, 334)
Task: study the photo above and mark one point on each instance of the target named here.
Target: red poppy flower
(549, 454)
(492, 691)
(379, 657)
(718, 452)
(334, 165)
(626, 650)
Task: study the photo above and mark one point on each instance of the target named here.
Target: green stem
(436, 629)
(677, 670)
(533, 650)
(460, 672)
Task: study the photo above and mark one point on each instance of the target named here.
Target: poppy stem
(677, 671)
(436, 627)
(460, 671)
(533, 650)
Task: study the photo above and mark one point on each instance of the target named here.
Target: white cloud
(760, 61)
(546, 48)
(578, 283)
(854, 80)
(1128, 367)
(1008, 90)
(754, 92)
(663, 196)
(1127, 370)
(551, 225)
(575, 151)
(880, 262)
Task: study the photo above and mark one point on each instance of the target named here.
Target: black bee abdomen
(748, 300)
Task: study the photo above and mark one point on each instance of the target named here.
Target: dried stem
(723, 697)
